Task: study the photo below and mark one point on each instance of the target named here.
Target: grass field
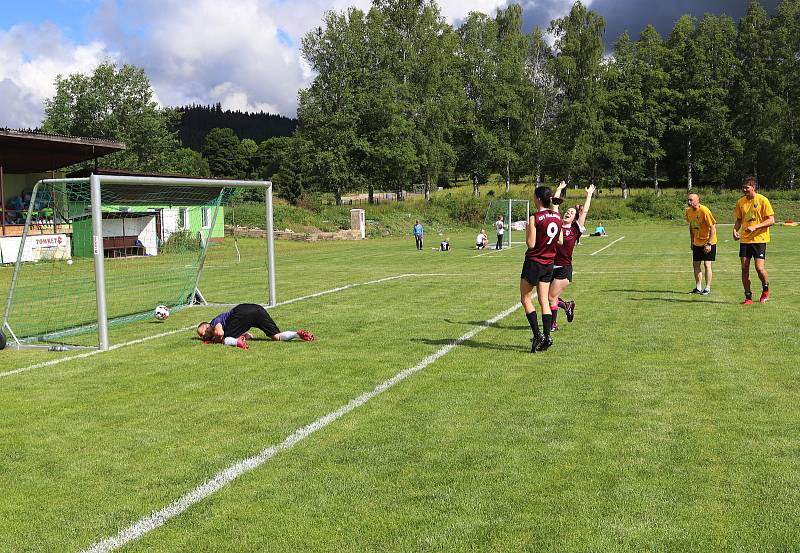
(658, 421)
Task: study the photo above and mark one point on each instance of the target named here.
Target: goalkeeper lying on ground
(231, 328)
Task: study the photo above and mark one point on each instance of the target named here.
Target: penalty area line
(113, 347)
(158, 518)
(606, 247)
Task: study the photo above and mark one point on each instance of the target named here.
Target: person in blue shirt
(232, 327)
(418, 232)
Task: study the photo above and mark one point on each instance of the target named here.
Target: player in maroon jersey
(542, 235)
(572, 230)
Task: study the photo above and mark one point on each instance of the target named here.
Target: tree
(477, 141)
(714, 72)
(653, 117)
(577, 67)
(755, 106)
(786, 30)
(510, 90)
(625, 130)
(331, 110)
(249, 151)
(224, 154)
(116, 104)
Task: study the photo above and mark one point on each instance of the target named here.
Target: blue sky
(72, 16)
(240, 53)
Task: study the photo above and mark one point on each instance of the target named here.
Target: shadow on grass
(675, 300)
(645, 291)
(475, 344)
(483, 323)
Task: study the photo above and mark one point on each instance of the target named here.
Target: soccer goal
(515, 216)
(108, 249)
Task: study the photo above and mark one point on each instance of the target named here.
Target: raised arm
(559, 189)
(582, 217)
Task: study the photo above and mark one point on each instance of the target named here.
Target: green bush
(666, 207)
(181, 242)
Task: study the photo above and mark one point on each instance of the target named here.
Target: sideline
(493, 251)
(606, 247)
(158, 518)
(113, 347)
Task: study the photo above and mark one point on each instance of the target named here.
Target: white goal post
(515, 216)
(172, 191)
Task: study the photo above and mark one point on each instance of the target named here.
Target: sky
(243, 54)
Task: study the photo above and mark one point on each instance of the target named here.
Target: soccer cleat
(764, 296)
(696, 291)
(241, 342)
(569, 309)
(545, 343)
(747, 301)
(536, 341)
(554, 328)
(705, 292)
(305, 335)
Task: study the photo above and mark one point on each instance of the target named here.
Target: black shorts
(699, 253)
(757, 250)
(250, 315)
(535, 272)
(562, 273)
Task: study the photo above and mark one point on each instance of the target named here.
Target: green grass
(658, 421)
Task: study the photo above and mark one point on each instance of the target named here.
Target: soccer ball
(161, 313)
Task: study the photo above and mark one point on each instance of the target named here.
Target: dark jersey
(564, 252)
(548, 226)
(243, 317)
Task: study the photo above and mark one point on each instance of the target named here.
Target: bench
(121, 246)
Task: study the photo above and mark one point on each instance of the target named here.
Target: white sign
(37, 247)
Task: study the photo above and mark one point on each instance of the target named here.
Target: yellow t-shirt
(700, 221)
(753, 212)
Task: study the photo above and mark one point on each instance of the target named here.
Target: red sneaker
(241, 342)
(764, 296)
(747, 301)
(305, 335)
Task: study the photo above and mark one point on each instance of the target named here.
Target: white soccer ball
(69, 262)
(161, 313)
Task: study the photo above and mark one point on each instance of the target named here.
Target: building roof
(36, 152)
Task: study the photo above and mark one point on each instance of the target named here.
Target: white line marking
(185, 329)
(490, 252)
(157, 519)
(606, 247)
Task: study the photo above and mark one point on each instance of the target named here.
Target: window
(206, 217)
(184, 218)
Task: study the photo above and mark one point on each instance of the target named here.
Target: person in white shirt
(500, 227)
(481, 241)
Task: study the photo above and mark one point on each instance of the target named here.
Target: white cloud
(30, 59)
(243, 54)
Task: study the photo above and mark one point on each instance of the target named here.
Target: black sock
(533, 322)
(765, 287)
(748, 295)
(547, 323)
(555, 314)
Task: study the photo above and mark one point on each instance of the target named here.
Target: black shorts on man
(535, 272)
(757, 250)
(562, 273)
(249, 315)
(699, 253)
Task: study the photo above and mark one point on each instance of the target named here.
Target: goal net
(107, 250)
(515, 215)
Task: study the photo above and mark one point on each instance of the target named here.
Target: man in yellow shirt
(703, 238)
(754, 216)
